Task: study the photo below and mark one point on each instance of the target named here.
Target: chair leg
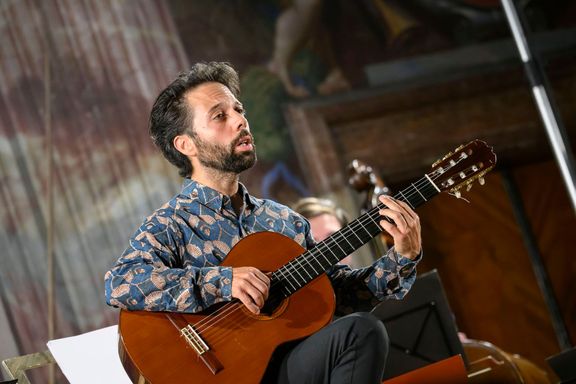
(16, 367)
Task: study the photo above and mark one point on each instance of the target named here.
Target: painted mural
(290, 51)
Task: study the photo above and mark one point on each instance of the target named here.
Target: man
(172, 262)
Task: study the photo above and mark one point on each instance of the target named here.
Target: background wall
(78, 172)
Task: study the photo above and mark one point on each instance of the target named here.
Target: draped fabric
(77, 80)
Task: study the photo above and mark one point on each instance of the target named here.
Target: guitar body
(152, 349)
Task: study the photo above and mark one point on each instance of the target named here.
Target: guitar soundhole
(273, 308)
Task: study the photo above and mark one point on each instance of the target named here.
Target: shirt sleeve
(149, 274)
(391, 276)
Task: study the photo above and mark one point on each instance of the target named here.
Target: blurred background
(395, 84)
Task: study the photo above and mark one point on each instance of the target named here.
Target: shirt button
(195, 193)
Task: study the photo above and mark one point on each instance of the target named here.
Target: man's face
(220, 131)
(225, 158)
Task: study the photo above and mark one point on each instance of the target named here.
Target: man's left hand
(405, 229)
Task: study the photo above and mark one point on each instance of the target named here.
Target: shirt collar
(212, 198)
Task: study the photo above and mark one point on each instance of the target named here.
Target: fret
(298, 282)
(405, 199)
(330, 250)
(299, 260)
(363, 227)
(358, 237)
(334, 241)
(417, 190)
(286, 279)
(309, 258)
(324, 257)
(352, 239)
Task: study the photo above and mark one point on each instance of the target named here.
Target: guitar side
(153, 351)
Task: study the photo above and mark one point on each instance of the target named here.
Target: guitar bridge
(194, 340)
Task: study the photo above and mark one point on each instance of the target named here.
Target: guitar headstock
(462, 167)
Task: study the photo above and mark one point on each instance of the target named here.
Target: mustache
(243, 133)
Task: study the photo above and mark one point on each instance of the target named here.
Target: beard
(223, 158)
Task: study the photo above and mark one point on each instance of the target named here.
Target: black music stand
(564, 365)
(421, 327)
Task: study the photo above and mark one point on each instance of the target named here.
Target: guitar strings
(232, 307)
(228, 323)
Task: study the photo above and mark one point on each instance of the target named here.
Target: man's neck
(225, 183)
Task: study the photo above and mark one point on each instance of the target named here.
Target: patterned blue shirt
(173, 260)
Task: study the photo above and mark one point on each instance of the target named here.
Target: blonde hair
(310, 207)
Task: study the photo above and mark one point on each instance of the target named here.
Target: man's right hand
(251, 287)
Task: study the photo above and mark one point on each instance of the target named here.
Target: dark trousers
(352, 349)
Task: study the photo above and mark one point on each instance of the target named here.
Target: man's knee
(375, 329)
(369, 331)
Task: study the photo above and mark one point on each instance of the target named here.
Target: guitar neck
(312, 263)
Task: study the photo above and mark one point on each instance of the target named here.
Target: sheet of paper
(90, 358)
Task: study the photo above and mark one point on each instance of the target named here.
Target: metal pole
(542, 277)
(561, 147)
(556, 133)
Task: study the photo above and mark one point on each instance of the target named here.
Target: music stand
(421, 327)
(564, 365)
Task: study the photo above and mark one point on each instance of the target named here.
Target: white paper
(90, 358)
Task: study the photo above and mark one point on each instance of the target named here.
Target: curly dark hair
(170, 116)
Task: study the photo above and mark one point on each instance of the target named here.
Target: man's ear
(185, 145)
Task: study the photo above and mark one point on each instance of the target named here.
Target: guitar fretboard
(312, 263)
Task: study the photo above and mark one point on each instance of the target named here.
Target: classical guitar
(229, 344)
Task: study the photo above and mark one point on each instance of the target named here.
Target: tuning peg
(469, 187)
(481, 181)
(457, 194)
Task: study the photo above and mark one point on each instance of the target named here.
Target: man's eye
(219, 116)
(241, 111)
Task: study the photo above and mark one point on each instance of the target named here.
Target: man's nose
(242, 122)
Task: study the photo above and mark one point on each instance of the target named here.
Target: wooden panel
(552, 220)
(478, 247)
(402, 131)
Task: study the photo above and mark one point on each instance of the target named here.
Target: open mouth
(245, 143)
